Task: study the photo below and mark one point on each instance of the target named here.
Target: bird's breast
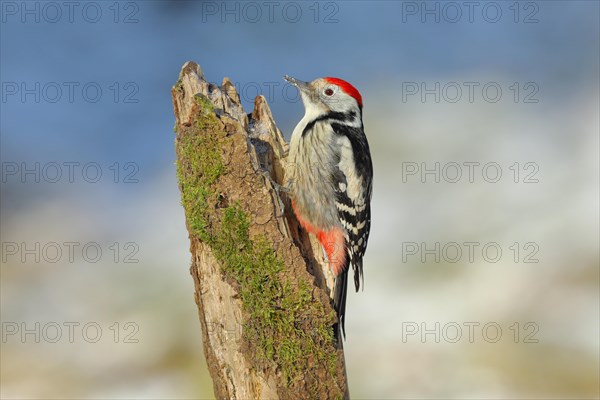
(308, 175)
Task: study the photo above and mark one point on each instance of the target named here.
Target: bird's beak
(301, 85)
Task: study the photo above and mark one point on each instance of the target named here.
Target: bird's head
(324, 95)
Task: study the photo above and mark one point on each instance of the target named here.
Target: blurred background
(482, 272)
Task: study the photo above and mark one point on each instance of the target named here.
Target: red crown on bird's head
(347, 88)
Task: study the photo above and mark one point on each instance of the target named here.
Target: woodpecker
(330, 178)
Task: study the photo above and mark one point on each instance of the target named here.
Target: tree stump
(263, 301)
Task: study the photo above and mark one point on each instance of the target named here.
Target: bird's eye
(329, 92)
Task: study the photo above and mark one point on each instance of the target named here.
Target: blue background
(383, 48)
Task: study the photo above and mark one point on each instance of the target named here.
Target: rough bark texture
(263, 301)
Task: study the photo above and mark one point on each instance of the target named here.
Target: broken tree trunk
(266, 316)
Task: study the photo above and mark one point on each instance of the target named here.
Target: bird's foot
(278, 189)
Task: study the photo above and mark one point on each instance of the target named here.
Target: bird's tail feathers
(339, 303)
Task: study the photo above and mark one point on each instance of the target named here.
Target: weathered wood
(264, 306)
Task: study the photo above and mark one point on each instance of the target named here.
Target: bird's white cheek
(312, 111)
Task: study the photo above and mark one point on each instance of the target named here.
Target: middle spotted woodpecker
(330, 177)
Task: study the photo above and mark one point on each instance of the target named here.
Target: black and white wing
(353, 182)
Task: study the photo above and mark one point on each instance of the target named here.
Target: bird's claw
(278, 189)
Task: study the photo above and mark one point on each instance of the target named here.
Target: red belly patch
(333, 242)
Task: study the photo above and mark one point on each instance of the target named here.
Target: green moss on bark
(283, 323)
